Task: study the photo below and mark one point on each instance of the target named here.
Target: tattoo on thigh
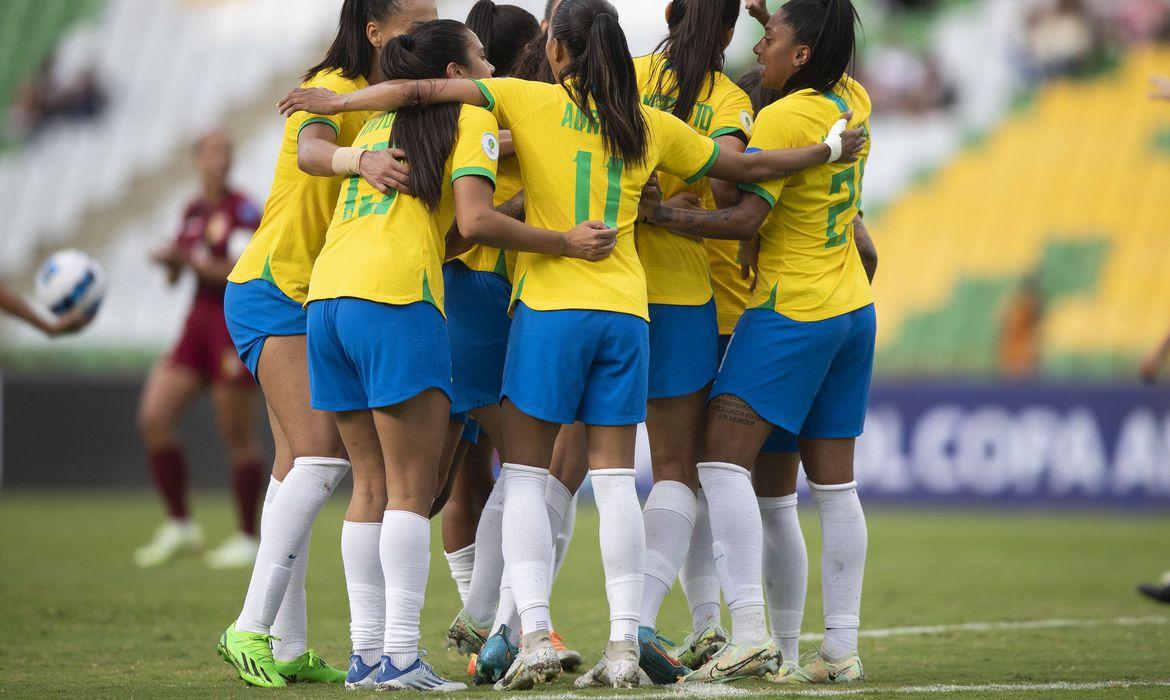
(734, 410)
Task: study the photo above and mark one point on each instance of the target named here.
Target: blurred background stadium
(1016, 191)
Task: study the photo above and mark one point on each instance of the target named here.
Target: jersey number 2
(584, 195)
(846, 178)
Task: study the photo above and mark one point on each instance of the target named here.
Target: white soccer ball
(71, 279)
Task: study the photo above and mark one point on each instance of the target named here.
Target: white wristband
(347, 160)
(833, 140)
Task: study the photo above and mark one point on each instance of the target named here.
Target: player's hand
(687, 201)
(169, 257)
(1151, 367)
(311, 100)
(590, 241)
(651, 199)
(749, 261)
(67, 324)
(758, 10)
(1160, 87)
(386, 171)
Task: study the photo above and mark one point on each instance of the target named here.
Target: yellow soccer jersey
(297, 214)
(809, 267)
(482, 258)
(390, 248)
(732, 292)
(676, 268)
(569, 178)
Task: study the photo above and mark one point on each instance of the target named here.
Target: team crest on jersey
(491, 146)
(217, 228)
(745, 118)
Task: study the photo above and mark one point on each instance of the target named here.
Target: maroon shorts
(206, 346)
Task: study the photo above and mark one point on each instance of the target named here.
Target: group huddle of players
(509, 237)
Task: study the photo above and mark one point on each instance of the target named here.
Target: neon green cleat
(735, 662)
(466, 635)
(251, 655)
(779, 675)
(697, 649)
(816, 669)
(309, 668)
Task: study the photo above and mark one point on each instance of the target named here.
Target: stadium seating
(1070, 189)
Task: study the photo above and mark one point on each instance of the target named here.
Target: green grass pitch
(77, 619)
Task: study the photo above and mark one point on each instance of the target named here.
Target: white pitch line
(723, 691)
(1002, 627)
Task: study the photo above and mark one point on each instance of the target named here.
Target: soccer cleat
(570, 659)
(466, 635)
(697, 649)
(735, 662)
(171, 539)
(495, 658)
(656, 661)
(309, 668)
(786, 669)
(535, 665)
(816, 669)
(471, 660)
(250, 654)
(418, 676)
(236, 552)
(618, 668)
(1159, 591)
(360, 676)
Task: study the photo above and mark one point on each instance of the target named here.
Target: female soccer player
(578, 347)
(264, 311)
(684, 77)
(802, 355)
(216, 227)
(376, 296)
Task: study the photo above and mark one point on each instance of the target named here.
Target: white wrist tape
(346, 160)
(833, 140)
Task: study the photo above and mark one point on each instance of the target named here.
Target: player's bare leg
(785, 555)
(675, 428)
(169, 391)
(235, 410)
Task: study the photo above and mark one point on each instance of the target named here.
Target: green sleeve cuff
(320, 120)
(760, 192)
(706, 168)
(730, 131)
(475, 170)
(487, 95)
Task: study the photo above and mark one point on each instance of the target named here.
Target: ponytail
(350, 53)
(504, 31)
(601, 75)
(693, 49)
(828, 28)
(427, 134)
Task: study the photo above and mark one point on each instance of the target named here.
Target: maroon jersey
(219, 233)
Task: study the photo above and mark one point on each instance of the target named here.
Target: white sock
(844, 536)
(285, 528)
(565, 537)
(462, 563)
(361, 555)
(738, 545)
(623, 548)
(507, 614)
(291, 622)
(527, 544)
(785, 572)
(483, 594)
(405, 550)
(699, 581)
(669, 514)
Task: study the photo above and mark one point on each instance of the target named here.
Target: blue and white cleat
(658, 663)
(418, 676)
(495, 657)
(360, 676)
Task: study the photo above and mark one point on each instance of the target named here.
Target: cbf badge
(491, 146)
(745, 118)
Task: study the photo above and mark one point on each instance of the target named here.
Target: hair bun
(406, 41)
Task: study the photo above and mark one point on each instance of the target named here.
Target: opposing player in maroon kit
(216, 228)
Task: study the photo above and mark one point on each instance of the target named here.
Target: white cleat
(236, 552)
(173, 538)
(536, 664)
(618, 668)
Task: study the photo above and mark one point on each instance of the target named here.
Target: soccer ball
(71, 279)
